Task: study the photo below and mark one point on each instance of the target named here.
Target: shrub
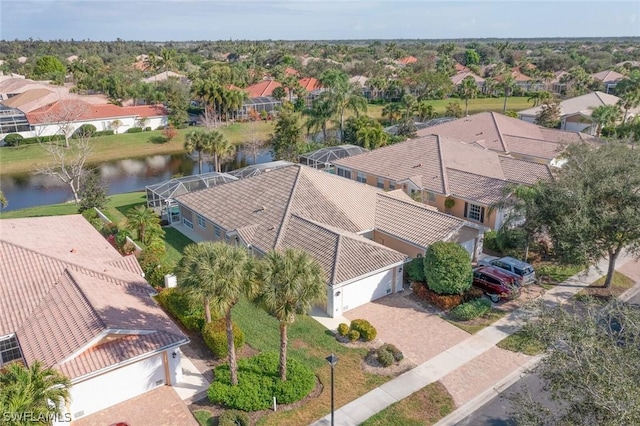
(110, 228)
(447, 267)
(415, 270)
(385, 358)
(85, 131)
(441, 301)
(343, 329)
(169, 132)
(215, 337)
(147, 129)
(233, 418)
(177, 304)
(104, 133)
(366, 330)
(473, 293)
(470, 310)
(354, 335)
(134, 130)
(259, 382)
(397, 354)
(13, 139)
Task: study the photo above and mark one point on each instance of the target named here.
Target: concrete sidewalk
(359, 410)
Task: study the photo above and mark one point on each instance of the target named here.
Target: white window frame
(380, 183)
(474, 212)
(361, 177)
(186, 222)
(201, 222)
(217, 231)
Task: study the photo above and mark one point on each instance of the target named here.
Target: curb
(630, 293)
(486, 396)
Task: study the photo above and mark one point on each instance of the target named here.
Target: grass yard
(522, 342)
(477, 324)
(116, 208)
(175, 241)
(553, 273)
(204, 418)
(619, 285)
(127, 145)
(424, 407)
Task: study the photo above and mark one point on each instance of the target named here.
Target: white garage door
(367, 289)
(469, 246)
(116, 386)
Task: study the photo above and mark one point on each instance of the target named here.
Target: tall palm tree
(220, 148)
(342, 95)
(540, 97)
(141, 218)
(467, 89)
(318, 116)
(371, 137)
(218, 274)
(629, 92)
(199, 141)
(287, 283)
(605, 116)
(425, 111)
(507, 84)
(168, 59)
(392, 111)
(37, 390)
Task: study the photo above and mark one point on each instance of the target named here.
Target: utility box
(170, 281)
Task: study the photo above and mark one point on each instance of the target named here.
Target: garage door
(367, 289)
(116, 386)
(469, 246)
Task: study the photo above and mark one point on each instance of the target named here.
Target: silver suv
(523, 270)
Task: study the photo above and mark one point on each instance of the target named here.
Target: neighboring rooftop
(78, 110)
(262, 89)
(164, 76)
(583, 104)
(323, 157)
(608, 76)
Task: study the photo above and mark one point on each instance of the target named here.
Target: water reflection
(132, 174)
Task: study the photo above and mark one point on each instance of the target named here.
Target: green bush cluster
(92, 217)
(43, 139)
(387, 354)
(415, 270)
(366, 330)
(473, 309)
(85, 131)
(177, 304)
(134, 130)
(259, 382)
(215, 337)
(343, 329)
(233, 418)
(354, 335)
(447, 267)
(13, 139)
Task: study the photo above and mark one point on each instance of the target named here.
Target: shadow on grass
(158, 139)
(125, 208)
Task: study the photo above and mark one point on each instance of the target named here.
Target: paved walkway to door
(419, 334)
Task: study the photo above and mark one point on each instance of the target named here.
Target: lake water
(132, 174)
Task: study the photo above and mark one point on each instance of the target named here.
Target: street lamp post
(333, 360)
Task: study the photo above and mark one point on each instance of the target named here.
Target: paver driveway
(420, 335)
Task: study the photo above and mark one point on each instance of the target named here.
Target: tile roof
(310, 83)
(457, 79)
(61, 291)
(490, 128)
(79, 110)
(583, 104)
(407, 60)
(298, 206)
(263, 88)
(607, 76)
(470, 186)
(163, 76)
(435, 163)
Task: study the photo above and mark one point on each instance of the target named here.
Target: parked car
(496, 283)
(523, 270)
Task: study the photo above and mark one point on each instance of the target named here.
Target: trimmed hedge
(85, 131)
(134, 130)
(366, 330)
(441, 301)
(259, 381)
(13, 139)
(177, 304)
(343, 329)
(233, 418)
(415, 270)
(354, 335)
(387, 354)
(470, 310)
(215, 337)
(447, 267)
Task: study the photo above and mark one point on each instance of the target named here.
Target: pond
(131, 174)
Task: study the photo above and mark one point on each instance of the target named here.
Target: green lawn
(477, 324)
(523, 342)
(204, 418)
(424, 407)
(175, 242)
(116, 207)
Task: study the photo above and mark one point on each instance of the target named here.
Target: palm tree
(287, 283)
(371, 137)
(200, 142)
(342, 95)
(392, 111)
(467, 89)
(218, 274)
(507, 83)
(115, 125)
(40, 391)
(141, 218)
(629, 92)
(220, 148)
(540, 97)
(605, 116)
(168, 59)
(425, 111)
(318, 116)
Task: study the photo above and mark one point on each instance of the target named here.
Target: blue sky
(314, 19)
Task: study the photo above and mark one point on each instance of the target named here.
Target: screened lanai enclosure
(160, 197)
(263, 103)
(258, 169)
(324, 157)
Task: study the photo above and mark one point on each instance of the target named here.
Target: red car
(496, 283)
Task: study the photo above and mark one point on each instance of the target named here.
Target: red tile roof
(291, 71)
(407, 60)
(60, 291)
(77, 110)
(310, 83)
(263, 88)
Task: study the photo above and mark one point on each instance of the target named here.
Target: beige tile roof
(472, 187)
(489, 129)
(412, 221)
(60, 290)
(607, 76)
(457, 79)
(301, 207)
(583, 104)
(526, 172)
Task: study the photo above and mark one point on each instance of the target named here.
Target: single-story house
(461, 179)
(262, 88)
(509, 136)
(67, 115)
(609, 79)
(359, 234)
(457, 79)
(164, 76)
(403, 62)
(575, 113)
(71, 301)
